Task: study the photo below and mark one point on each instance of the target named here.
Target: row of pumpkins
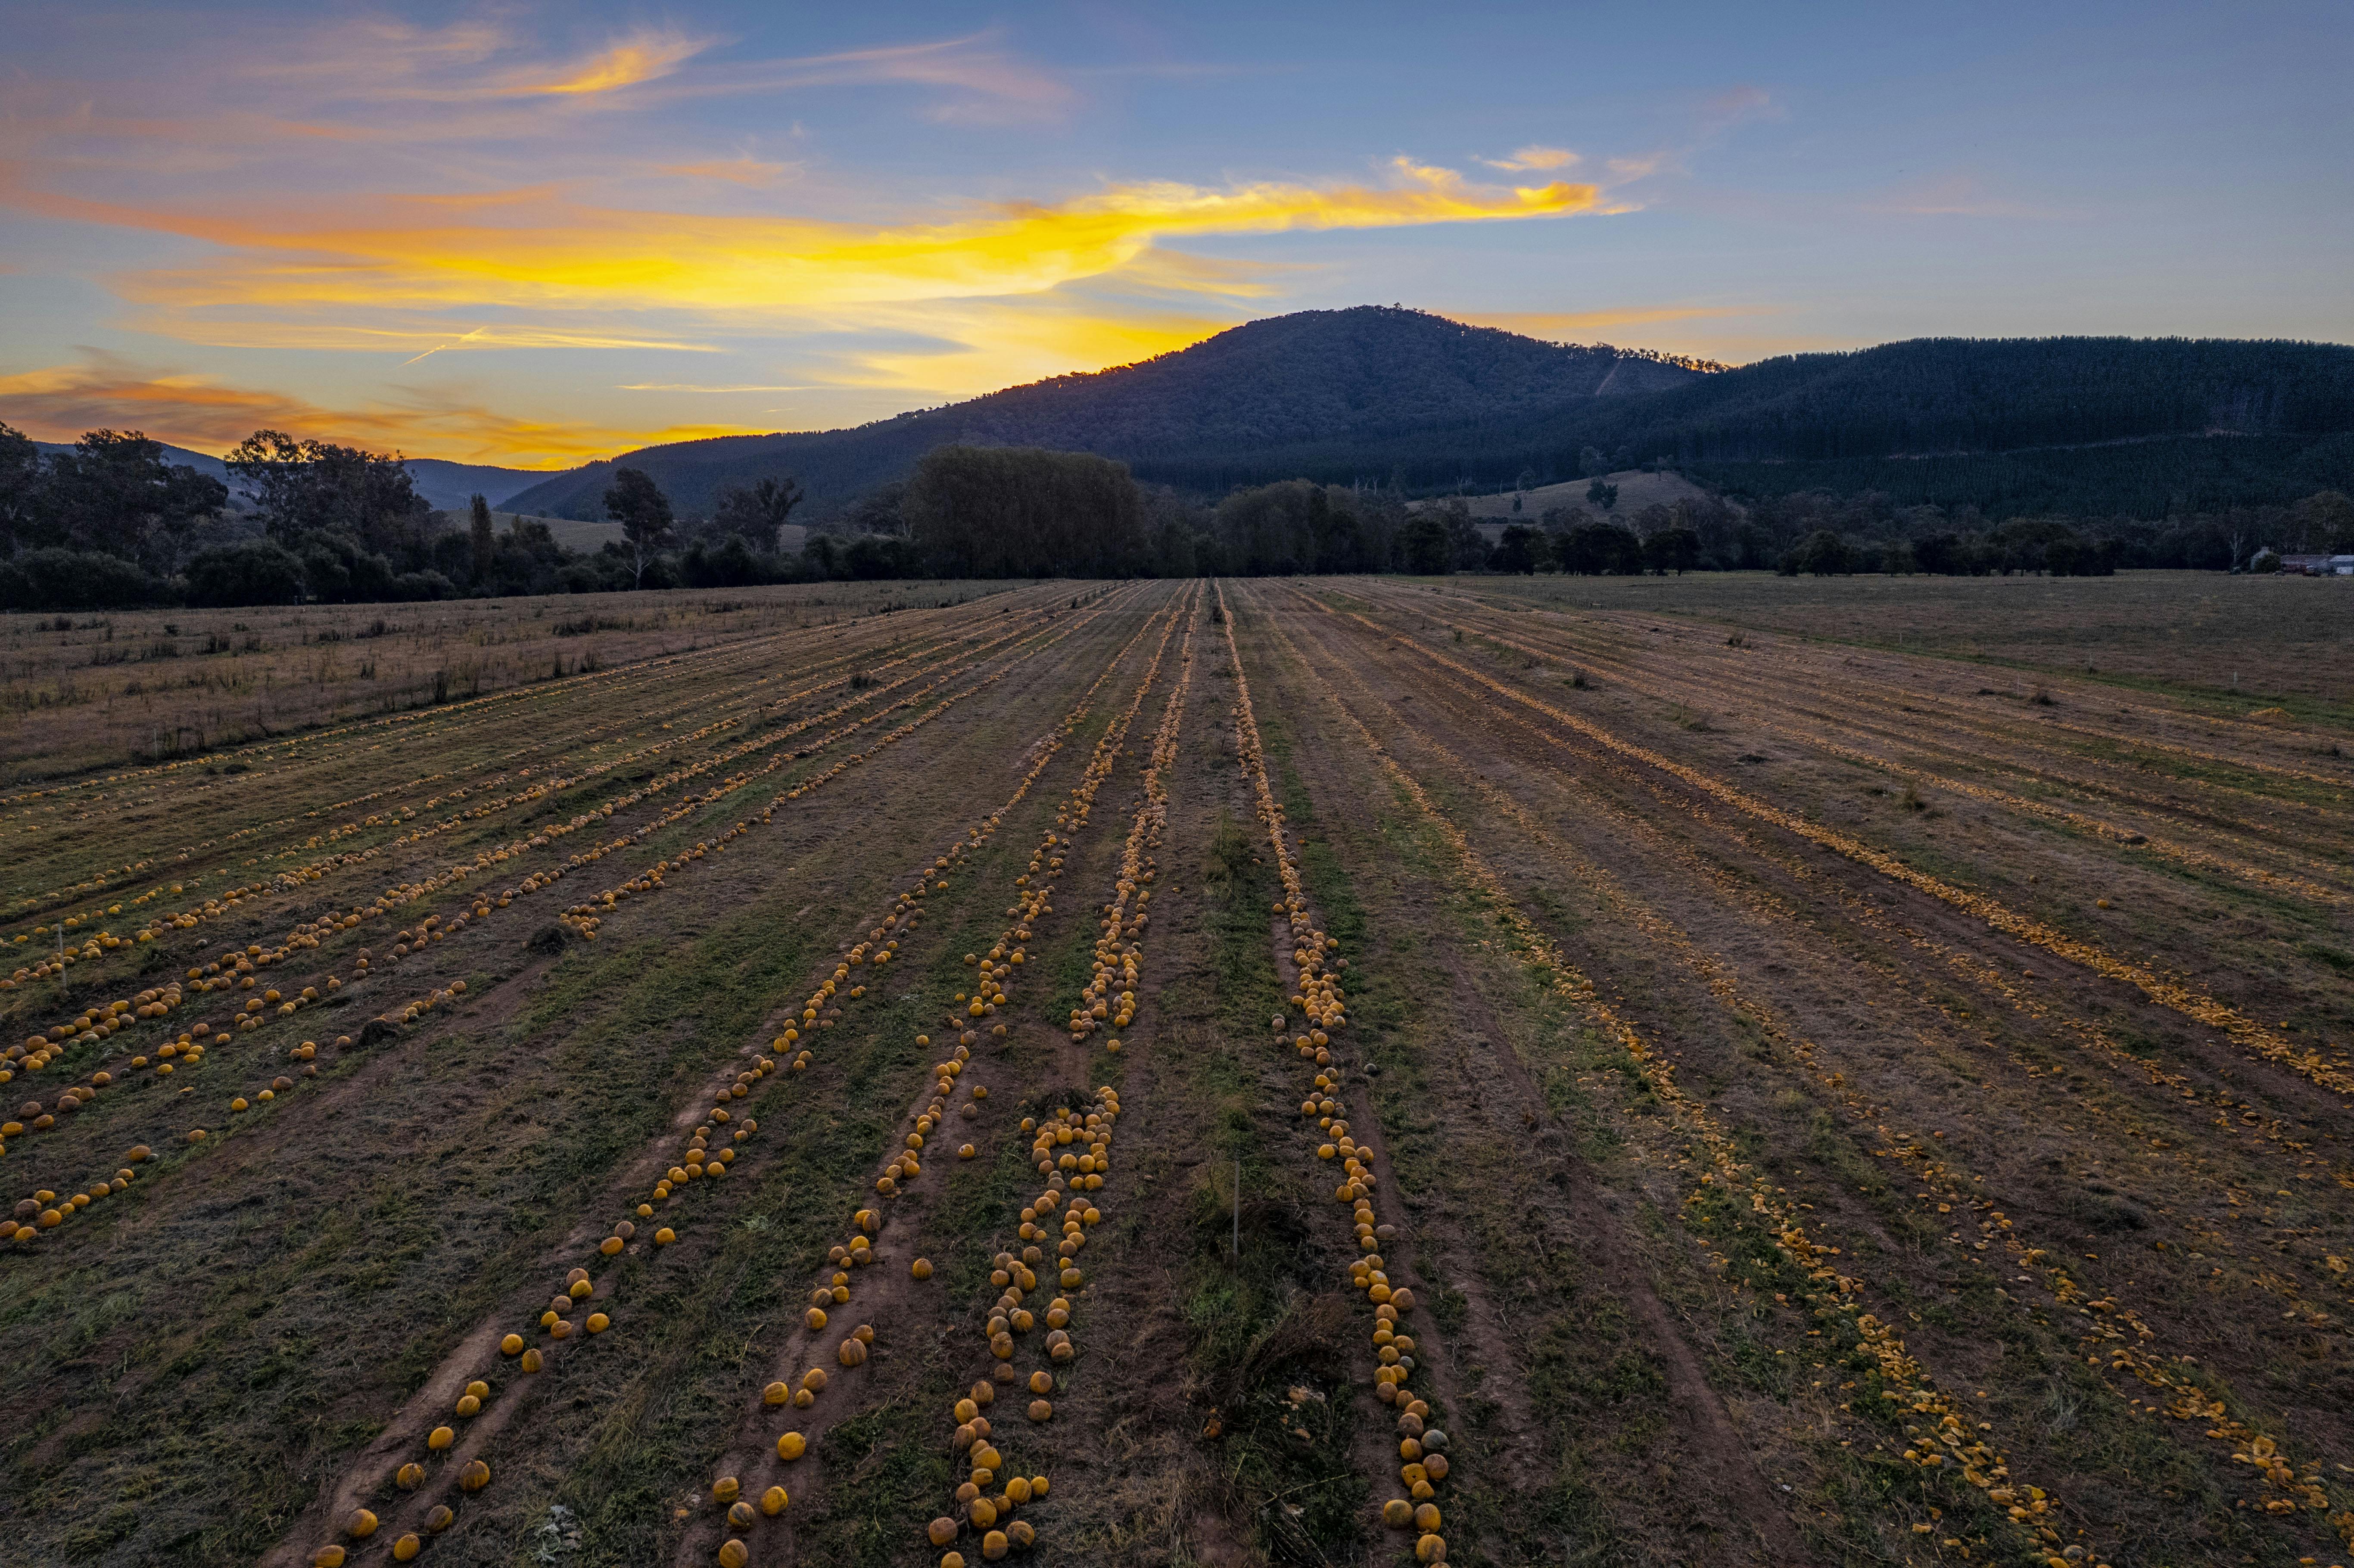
(698, 1160)
(214, 907)
(1072, 1153)
(1942, 1436)
(31, 1224)
(1422, 1447)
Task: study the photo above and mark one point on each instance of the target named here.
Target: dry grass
(93, 691)
(2035, 1012)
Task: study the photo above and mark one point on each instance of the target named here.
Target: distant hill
(2134, 425)
(2083, 425)
(443, 485)
(452, 485)
(1356, 378)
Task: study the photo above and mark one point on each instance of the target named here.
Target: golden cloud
(1534, 157)
(60, 402)
(536, 250)
(642, 57)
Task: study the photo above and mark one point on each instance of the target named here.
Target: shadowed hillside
(1387, 396)
(1356, 378)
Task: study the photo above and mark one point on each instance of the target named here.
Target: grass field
(1663, 1071)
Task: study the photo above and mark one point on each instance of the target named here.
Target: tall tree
(315, 487)
(114, 492)
(485, 540)
(759, 511)
(636, 502)
(20, 487)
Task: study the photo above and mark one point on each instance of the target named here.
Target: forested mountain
(1354, 379)
(2141, 427)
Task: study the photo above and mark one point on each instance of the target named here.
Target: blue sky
(536, 233)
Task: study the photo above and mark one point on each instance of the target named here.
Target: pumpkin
(405, 1548)
(440, 1437)
(773, 1502)
(852, 1351)
(814, 1318)
(1042, 1383)
(741, 1514)
(777, 1393)
(476, 1475)
(724, 1489)
(942, 1530)
(1040, 1410)
(439, 1520)
(733, 1553)
(512, 1345)
(1430, 1549)
(1425, 1519)
(1021, 1531)
(410, 1476)
(982, 1512)
(1017, 1489)
(467, 1404)
(993, 1545)
(328, 1557)
(530, 1362)
(813, 1381)
(791, 1445)
(922, 1267)
(598, 1322)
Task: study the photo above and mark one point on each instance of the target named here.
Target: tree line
(109, 522)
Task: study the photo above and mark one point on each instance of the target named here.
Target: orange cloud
(60, 402)
(642, 57)
(535, 251)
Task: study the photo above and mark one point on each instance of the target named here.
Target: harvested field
(1298, 1071)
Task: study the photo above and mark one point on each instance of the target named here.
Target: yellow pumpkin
(921, 1268)
(440, 1437)
(476, 1475)
(410, 1476)
(405, 1548)
(733, 1553)
(777, 1393)
(791, 1445)
(773, 1502)
(512, 1345)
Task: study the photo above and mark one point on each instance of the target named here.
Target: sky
(534, 234)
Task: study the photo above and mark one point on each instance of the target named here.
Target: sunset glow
(485, 232)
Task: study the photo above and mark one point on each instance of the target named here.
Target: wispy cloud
(687, 387)
(59, 402)
(642, 57)
(1533, 158)
(531, 252)
(980, 77)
